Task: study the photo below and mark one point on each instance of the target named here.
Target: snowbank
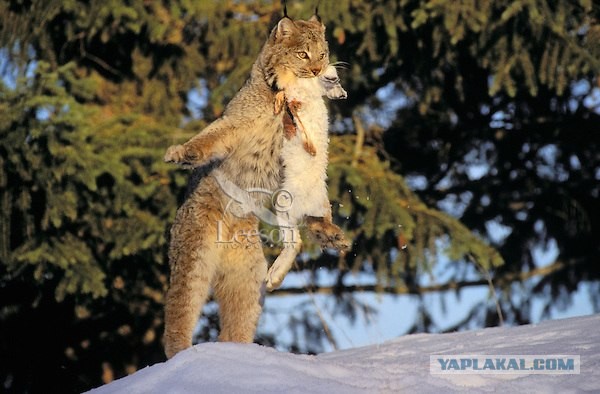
(398, 365)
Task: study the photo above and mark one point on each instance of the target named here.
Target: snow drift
(398, 365)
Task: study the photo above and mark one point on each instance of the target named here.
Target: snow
(400, 365)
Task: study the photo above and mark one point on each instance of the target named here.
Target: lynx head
(295, 49)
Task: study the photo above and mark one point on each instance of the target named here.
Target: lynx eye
(322, 56)
(302, 55)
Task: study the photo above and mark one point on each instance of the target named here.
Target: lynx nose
(315, 70)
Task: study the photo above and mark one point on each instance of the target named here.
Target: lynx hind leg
(239, 290)
(192, 270)
(284, 262)
(327, 234)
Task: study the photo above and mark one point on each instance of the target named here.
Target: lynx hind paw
(329, 235)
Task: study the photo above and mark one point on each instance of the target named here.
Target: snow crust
(400, 365)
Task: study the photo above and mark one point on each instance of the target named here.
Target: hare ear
(285, 28)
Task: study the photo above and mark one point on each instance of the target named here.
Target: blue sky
(397, 313)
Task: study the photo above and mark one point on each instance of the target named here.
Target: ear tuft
(316, 17)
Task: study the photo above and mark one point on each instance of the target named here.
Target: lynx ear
(285, 28)
(317, 19)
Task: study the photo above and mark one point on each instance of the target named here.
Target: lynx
(243, 147)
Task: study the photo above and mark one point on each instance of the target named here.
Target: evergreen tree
(93, 92)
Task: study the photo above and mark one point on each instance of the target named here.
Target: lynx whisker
(341, 65)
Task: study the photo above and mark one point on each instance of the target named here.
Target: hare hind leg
(327, 234)
(284, 262)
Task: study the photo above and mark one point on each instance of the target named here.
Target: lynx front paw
(178, 154)
(175, 154)
(328, 235)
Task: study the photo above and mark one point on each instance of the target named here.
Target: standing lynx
(243, 146)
